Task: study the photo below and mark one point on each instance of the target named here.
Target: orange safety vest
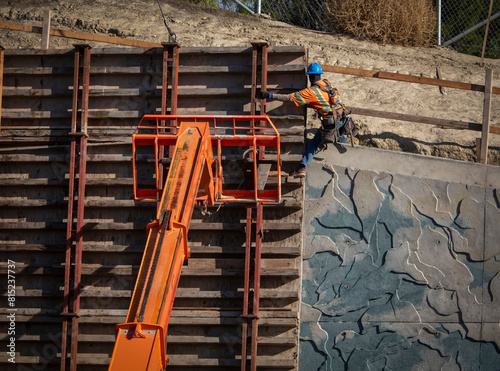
(318, 97)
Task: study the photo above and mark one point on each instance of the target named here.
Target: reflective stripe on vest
(318, 93)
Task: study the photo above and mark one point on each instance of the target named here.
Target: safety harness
(333, 94)
(330, 132)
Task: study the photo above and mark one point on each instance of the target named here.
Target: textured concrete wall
(401, 263)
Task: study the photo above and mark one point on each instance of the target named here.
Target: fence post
(488, 88)
(46, 29)
(486, 34)
(439, 22)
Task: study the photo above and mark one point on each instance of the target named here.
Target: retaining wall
(401, 263)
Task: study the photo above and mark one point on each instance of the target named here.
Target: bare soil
(197, 25)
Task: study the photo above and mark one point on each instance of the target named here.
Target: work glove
(264, 95)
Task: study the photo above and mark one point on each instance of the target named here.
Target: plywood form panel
(125, 84)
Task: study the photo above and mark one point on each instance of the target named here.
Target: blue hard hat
(314, 69)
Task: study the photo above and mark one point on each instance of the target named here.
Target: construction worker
(324, 98)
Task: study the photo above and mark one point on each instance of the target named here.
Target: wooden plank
(238, 272)
(31, 247)
(209, 313)
(125, 70)
(266, 250)
(199, 339)
(79, 35)
(28, 114)
(39, 70)
(406, 78)
(232, 294)
(121, 270)
(11, 202)
(266, 226)
(17, 181)
(192, 361)
(486, 115)
(26, 92)
(460, 125)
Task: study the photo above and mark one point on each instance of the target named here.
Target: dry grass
(407, 22)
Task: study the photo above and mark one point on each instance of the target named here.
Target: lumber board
(19, 92)
(100, 158)
(121, 270)
(78, 35)
(239, 250)
(460, 125)
(18, 181)
(406, 78)
(30, 247)
(54, 70)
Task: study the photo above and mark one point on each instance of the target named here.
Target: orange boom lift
(195, 176)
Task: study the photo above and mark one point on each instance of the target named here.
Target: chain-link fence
(460, 24)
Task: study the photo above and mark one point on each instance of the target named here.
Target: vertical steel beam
(246, 290)
(69, 243)
(263, 73)
(78, 147)
(78, 251)
(82, 171)
(2, 56)
(253, 91)
(76, 89)
(85, 89)
(259, 75)
(170, 68)
(256, 285)
(71, 200)
(175, 77)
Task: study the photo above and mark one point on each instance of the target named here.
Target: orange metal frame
(195, 176)
(252, 131)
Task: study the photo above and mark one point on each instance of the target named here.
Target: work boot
(300, 172)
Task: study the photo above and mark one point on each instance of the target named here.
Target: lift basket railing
(246, 156)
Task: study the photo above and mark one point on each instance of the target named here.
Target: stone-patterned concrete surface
(399, 272)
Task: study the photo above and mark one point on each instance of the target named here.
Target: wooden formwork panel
(125, 84)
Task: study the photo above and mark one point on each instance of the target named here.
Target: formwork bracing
(217, 320)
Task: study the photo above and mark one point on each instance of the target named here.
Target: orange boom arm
(194, 176)
(140, 342)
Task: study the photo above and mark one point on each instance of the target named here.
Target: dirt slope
(202, 26)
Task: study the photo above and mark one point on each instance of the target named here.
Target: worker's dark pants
(314, 143)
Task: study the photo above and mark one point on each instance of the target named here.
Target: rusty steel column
(256, 285)
(168, 101)
(246, 290)
(78, 252)
(170, 67)
(259, 75)
(69, 242)
(2, 57)
(76, 194)
(254, 316)
(71, 199)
